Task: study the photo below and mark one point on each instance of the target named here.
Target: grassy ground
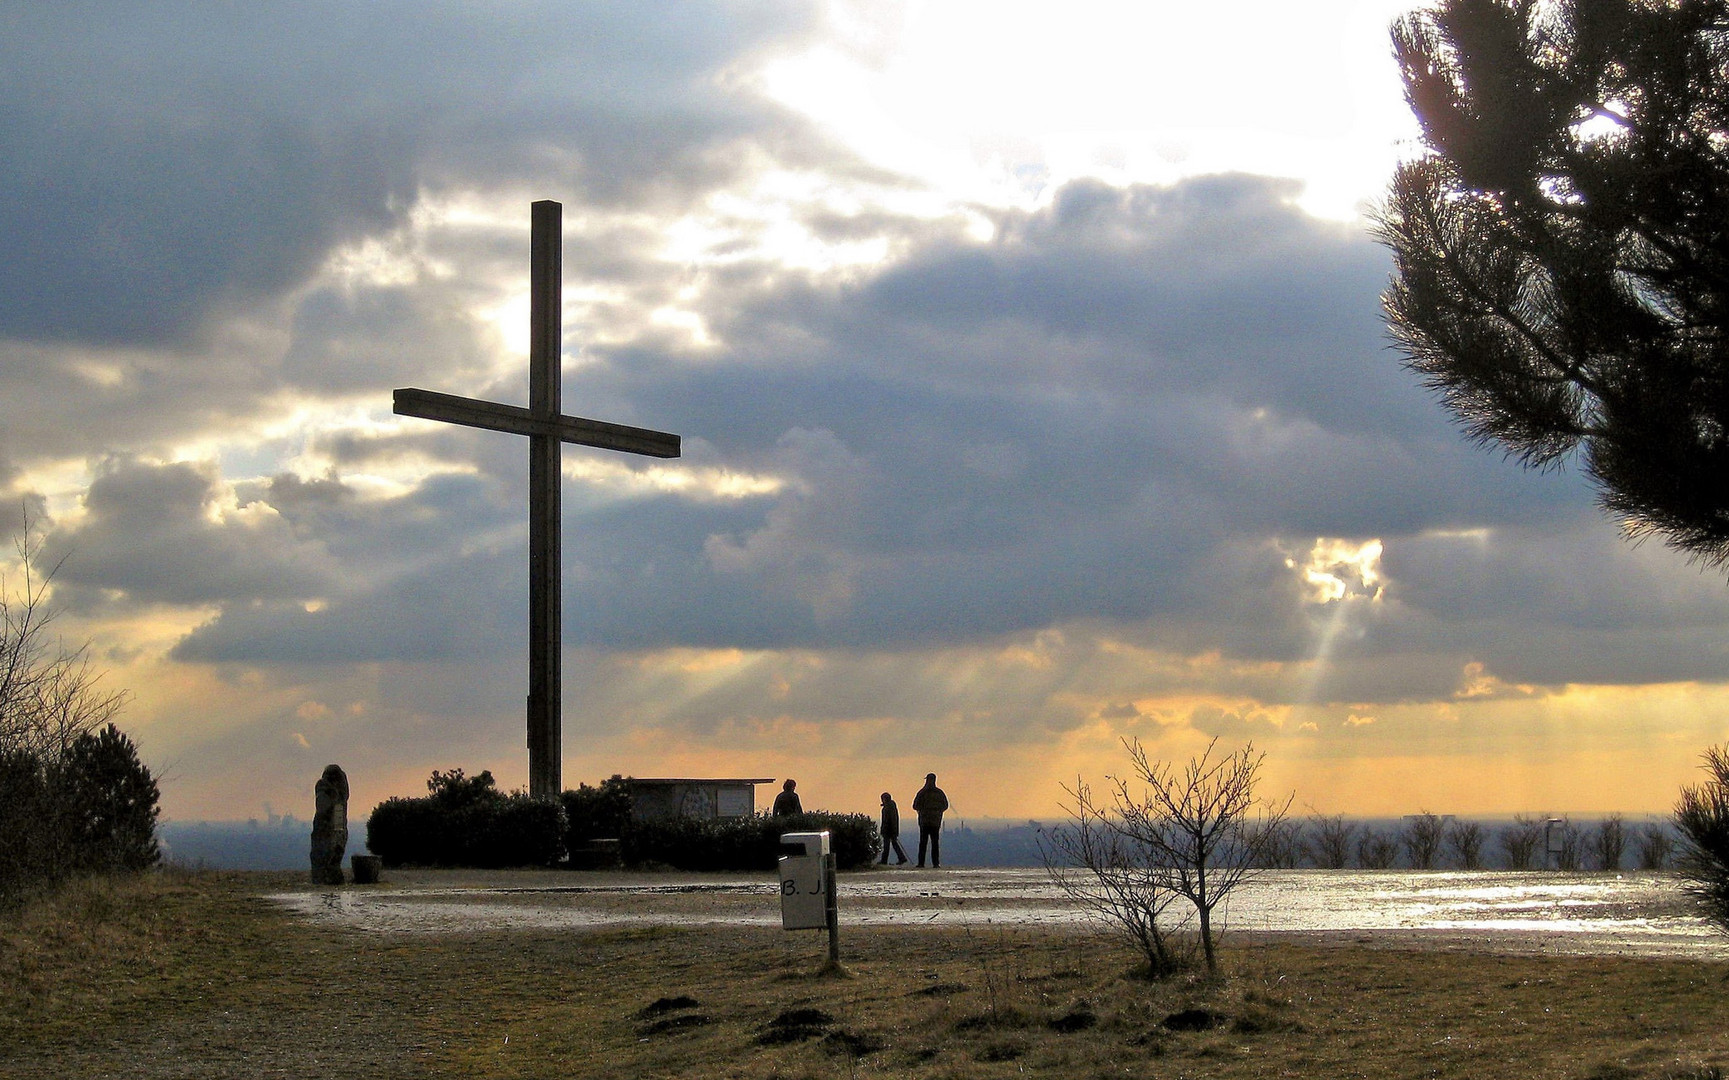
(190, 975)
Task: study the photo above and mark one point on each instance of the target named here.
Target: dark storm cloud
(162, 534)
(1210, 337)
(159, 163)
(348, 341)
(1088, 415)
(1610, 612)
(986, 438)
(1135, 405)
(411, 587)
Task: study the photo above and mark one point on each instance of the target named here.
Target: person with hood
(929, 804)
(891, 830)
(786, 804)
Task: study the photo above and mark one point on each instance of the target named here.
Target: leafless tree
(1655, 847)
(1328, 841)
(1094, 860)
(50, 692)
(1422, 836)
(1567, 843)
(1608, 843)
(1202, 826)
(1465, 842)
(73, 794)
(1376, 850)
(1284, 847)
(1520, 841)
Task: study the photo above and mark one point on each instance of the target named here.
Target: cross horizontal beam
(470, 412)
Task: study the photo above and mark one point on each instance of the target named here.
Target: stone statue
(330, 826)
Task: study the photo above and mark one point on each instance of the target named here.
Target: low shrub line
(746, 843)
(466, 821)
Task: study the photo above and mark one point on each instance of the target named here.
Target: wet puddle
(1638, 914)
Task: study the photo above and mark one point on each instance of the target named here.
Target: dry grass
(189, 975)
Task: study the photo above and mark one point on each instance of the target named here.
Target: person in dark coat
(929, 804)
(786, 803)
(892, 830)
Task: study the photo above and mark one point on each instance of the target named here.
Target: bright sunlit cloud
(1006, 101)
(1336, 569)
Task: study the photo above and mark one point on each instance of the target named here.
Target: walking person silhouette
(891, 830)
(929, 804)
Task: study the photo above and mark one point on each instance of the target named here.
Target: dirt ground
(196, 975)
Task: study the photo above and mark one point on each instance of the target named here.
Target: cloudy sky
(1027, 358)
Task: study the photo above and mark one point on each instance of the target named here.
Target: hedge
(596, 813)
(467, 823)
(746, 843)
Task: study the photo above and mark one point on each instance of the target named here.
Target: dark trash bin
(367, 868)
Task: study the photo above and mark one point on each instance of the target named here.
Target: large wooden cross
(546, 427)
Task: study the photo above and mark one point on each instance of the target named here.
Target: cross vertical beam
(547, 429)
(545, 402)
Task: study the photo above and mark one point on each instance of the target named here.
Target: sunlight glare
(1337, 569)
(1005, 100)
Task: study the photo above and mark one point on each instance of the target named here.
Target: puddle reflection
(1579, 913)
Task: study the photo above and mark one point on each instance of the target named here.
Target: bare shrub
(1656, 846)
(1465, 843)
(1520, 841)
(1327, 841)
(1376, 850)
(1198, 832)
(49, 690)
(1566, 843)
(1608, 843)
(1284, 846)
(1098, 865)
(1422, 837)
(1206, 824)
(73, 794)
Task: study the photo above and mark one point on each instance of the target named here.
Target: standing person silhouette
(929, 804)
(786, 804)
(891, 830)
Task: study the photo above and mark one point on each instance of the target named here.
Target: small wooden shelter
(657, 799)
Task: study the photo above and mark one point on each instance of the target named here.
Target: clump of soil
(1194, 1020)
(1079, 1018)
(794, 1025)
(662, 1006)
(942, 989)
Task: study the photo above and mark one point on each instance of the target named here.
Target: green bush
(746, 843)
(515, 830)
(409, 832)
(454, 791)
(91, 809)
(29, 838)
(596, 813)
(109, 802)
(467, 821)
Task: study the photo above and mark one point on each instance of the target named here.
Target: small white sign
(803, 883)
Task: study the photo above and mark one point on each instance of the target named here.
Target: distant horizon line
(1010, 822)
